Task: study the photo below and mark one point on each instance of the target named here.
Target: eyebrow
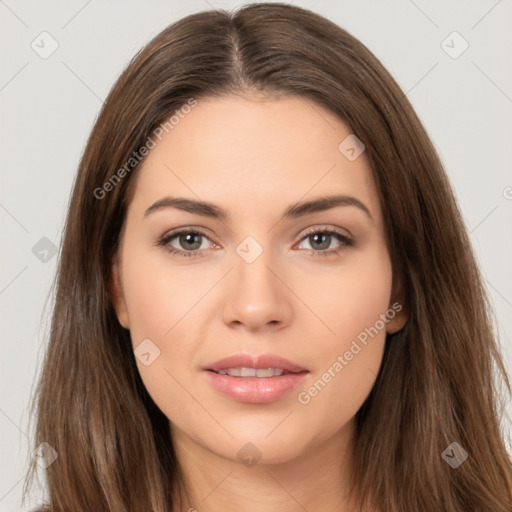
(294, 211)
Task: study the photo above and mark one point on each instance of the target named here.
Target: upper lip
(258, 362)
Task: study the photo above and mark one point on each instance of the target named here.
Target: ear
(116, 293)
(397, 305)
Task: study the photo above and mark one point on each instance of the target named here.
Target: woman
(202, 356)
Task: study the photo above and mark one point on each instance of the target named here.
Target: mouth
(255, 379)
(247, 365)
(257, 373)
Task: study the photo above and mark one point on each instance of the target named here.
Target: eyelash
(166, 239)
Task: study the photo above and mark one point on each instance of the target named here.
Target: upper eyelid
(322, 228)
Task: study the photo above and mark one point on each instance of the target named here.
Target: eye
(189, 239)
(191, 242)
(321, 239)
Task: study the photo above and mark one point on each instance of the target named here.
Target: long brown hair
(440, 378)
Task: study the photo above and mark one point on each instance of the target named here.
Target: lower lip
(255, 390)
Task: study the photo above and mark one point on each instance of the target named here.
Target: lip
(255, 390)
(259, 362)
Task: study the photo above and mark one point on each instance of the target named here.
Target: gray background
(48, 106)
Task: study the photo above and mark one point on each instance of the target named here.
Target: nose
(256, 295)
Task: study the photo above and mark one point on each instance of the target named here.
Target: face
(307, 291)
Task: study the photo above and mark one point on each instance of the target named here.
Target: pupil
(188, 239)
(323, 244)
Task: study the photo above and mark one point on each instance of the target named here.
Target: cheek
(160, 305)
(349, 360)
(347, 297)
(345, 373)
(157, 298)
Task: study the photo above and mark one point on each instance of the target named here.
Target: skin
(255, 158)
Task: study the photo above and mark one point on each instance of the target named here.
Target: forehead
(237, 151)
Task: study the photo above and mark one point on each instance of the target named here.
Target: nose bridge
(256, 296)
(252, 276)
(252, 267)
